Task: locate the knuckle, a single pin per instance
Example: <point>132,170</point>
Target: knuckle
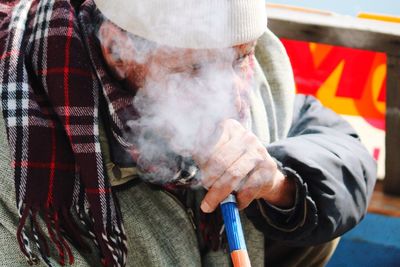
<point>247,194</point>
<point>261,183</point>
<point>262,151</point>
<point>229,187</point>
<point>271,163</point>
<point>259,179</point>
<point>225,188</point>
<point>219,163</point>
<point>268,166</point>
<point>218,186</point>
<point>249,138</point>
<point>272,167</point>
<point>253,184</point>
<point>234,173</point>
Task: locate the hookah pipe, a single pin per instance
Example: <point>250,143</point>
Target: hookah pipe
<point>234,232</point>
<point>230,214</point>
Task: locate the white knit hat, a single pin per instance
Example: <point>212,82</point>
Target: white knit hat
<point>189,23</point>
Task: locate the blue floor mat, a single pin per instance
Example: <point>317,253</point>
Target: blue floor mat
<point>375,242</point>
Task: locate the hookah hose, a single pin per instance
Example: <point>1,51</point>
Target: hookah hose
<point>234,232</point>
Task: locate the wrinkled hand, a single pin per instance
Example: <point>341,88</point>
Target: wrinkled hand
<point>239,162</point>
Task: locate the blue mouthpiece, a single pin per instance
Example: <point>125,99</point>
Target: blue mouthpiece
<point>233,226</point>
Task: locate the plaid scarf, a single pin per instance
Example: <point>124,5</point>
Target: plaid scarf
<point>52,77</point>
<point>49,99</point>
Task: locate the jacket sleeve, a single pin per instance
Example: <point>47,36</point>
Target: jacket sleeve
<point>334,175</point>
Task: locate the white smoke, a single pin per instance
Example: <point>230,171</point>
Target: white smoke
<point>180,108</point>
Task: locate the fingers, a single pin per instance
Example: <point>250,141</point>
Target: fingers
<point>239,162</point>
<point>226,130</point>
<point>222,136</point>
<point>228,182</point>
<point>268,183</point>
<point>221,161</point>
<point>256,184</point>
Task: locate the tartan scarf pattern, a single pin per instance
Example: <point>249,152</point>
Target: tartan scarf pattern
<point>49,100</point>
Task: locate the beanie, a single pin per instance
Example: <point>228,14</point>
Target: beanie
<point>197,24</point>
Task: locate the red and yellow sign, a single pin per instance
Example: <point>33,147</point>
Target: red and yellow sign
<point>352,82</point>
<point>349,81</point>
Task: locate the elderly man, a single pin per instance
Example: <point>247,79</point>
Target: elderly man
<point>114,110</point>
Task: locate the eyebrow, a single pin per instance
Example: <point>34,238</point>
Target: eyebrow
<point>241,53</point>
<point>245,49</point>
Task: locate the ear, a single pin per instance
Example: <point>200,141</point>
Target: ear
<point>111,38</point>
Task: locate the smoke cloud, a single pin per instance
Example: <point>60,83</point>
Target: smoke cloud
<point>180,104</point>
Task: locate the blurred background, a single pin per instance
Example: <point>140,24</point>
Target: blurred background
<point>348,7</point>
<point>347,54</point>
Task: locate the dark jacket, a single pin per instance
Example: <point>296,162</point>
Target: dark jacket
<point>335,177</point>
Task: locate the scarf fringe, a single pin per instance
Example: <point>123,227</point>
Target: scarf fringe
<point>23,240</point>
<point>73,231</point>
<point>108,237</point>
<point>113,246</point>
<point>110,241</point>
<point>55,231</point>
<point>40,240</point>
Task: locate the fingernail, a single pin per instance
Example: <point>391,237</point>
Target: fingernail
<point>205,207</point>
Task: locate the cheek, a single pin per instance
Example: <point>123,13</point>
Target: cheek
<point>245,74</point>
<point>247,69</point>
<point>136,74</point>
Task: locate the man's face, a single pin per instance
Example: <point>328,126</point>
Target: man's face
<point>130,60</point>
<point>225,69</point>
<point>182,94</point>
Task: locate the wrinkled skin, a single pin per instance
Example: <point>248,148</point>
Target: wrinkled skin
<point>238,161</point>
